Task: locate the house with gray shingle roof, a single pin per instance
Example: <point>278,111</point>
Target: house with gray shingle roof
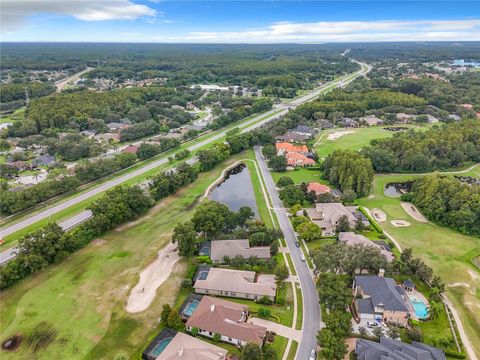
<point>396,350</point>
<point>379,298</point>
<point>239,247</point>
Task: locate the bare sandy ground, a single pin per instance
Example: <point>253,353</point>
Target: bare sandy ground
<point>379,215</point>
<point>411,210</point>
<point>338,134</point>
<point>152,278</point>
<point>400,223</point>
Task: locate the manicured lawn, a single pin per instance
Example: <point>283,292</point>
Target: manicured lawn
<point>83,298</point>
<point>299,175</point>
<point>279,345</point>
<point>448,252</point>
<point>318,244</point>
<point>283,312</point>
<point>293,350</point>
<point>299,323</point>
<point>355,141</point>
<point>290,263</point>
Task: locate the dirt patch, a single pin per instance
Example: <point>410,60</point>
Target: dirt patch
<point>13,343</point>
<point>459,284</point>
<point>379,215</point>
<point>152,278</point>
<point>400,223</point>
<point>338,134</point>
<point>411,210</point>
<point>98,242</point>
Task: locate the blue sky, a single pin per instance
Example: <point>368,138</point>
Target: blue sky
<point>238,21</point>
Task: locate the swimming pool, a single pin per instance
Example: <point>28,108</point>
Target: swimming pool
<point>190,308</point>
<point>420,308</point>
<point>157,350</point>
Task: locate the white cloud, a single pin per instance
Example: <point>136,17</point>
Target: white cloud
<point>15,12</point>
<point>343,31</point>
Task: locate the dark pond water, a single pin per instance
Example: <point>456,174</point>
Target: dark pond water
<point>397,189</point>
<point>236,190</point>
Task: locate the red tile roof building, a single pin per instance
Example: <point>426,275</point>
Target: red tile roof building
<point>318,188</point>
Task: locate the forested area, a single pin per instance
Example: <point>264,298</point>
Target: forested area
<point>121,204</point>
<point>349,170</point>
<point>441,147</point>
<point>13,95</point>
<point>448,202</point>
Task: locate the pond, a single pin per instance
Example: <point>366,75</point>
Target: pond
<point>236,190</point>
<point>397,189</point>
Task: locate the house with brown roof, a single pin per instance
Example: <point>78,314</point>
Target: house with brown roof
<point>292,137</point>
<point>185,347</point>
<point>297,159</point>
<point>327,216</point>
<point>236,283</point>
<point>372,120</point>
<point>239,247</point>
<point>228,319</point>
<point>350,238</point>
<point>131,149</point>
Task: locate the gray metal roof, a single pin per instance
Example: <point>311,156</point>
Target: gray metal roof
<point>396,350</point>
<point>382,291</point>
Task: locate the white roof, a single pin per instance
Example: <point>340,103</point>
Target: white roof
<point>232,248</point>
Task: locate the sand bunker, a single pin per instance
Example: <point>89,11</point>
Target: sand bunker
<point>400,223</point>
<point>152,278</point>
<point>413,212</point>
<point>338,134</point>
<point>379,215</point>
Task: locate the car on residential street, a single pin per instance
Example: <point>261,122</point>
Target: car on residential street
<point>313,355</point>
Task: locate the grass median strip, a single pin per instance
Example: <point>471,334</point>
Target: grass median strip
<point>299,323</point>
<point>290,264</point>
<point>293,350</point>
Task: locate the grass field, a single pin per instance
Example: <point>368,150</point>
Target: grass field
<point>299,175</point>
<point>441,248</point>
<point>81,301</point>
<point>360,138</point>
<point>17,115</point>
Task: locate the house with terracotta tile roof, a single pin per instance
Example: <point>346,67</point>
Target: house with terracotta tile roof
<point>297,159</point>
<point>228,319</point>
<point>285,147</point>
<point>318,188</point>
<point>132,149</point>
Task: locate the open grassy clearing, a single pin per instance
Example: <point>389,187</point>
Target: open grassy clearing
<point>90,288</point>
<point>299,175</point>
<point>358,139</point>
<point>299,323</point>
<point>17,115</point>
<point>441,248</point>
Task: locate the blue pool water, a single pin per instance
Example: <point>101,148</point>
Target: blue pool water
<point>190,308</point>
<point>420,308</point>
<point>157,350</point>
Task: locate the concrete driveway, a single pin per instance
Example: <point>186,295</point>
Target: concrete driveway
<point>279,329</point>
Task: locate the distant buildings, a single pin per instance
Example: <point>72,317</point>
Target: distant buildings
<point>131,149</point>
<point>372,120</point>
<point>388,349</point>
<point>232,248</point>
<point>235,283</point>
<point>228,319</point>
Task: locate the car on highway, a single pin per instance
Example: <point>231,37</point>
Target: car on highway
<point>302,257</point>
<point>313,355</point>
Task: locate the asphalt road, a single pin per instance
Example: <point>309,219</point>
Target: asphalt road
<point>311,306</point>
<point>249,125</point>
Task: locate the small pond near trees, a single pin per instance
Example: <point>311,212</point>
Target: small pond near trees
<point>236,190</point>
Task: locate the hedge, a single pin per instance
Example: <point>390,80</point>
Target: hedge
<point>373,222</point>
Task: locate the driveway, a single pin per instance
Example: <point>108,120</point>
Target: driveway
<point>279,329</point>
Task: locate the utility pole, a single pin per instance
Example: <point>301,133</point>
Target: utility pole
<point>27,98</point>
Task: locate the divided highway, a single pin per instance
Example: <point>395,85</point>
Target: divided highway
<point>255,122</point>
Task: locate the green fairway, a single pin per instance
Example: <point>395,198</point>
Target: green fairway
<point>441,248</point>
<point>80,303</point>
<point>359,138</point>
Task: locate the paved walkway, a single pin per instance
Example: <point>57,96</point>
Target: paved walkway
<point>281,330</point>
